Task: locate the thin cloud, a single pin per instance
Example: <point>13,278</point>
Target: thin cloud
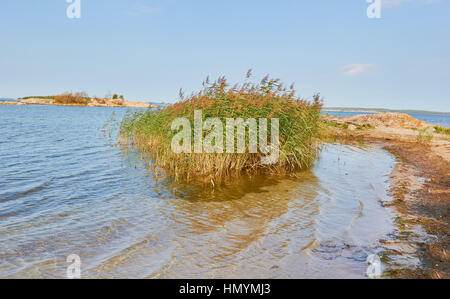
<point>141,9</point>
<point>356,69</point>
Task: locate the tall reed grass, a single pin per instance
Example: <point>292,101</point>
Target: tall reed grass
<point>299,121</point>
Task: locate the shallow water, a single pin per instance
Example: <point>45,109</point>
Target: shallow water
<point>65,190</point>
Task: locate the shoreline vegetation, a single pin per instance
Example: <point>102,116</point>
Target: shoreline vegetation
<point>80,99</point>
<point>299,122</point>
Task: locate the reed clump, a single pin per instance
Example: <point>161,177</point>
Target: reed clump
<point>299,122</point>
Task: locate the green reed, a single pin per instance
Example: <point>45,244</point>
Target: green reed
<point>299,122</point>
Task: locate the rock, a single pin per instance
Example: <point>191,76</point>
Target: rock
<point>390,120</point>
<point>352,127</point>
<point>430,130</point>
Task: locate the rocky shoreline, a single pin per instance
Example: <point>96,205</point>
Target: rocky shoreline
<point>93,103</point>
<point>420,186</point>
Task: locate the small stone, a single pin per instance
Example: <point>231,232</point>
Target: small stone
<point>430,130</point>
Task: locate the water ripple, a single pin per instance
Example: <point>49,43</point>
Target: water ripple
<point>65,190</point>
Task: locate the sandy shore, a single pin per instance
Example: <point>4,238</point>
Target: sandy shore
<point>420,185</point>
<point>93,103</point>
<point>12,103</point>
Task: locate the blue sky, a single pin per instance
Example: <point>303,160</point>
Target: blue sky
<point>149,49</point>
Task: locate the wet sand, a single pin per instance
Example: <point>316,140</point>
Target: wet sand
<point>420,185</point>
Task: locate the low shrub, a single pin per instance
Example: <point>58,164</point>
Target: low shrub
<point>69,98</point>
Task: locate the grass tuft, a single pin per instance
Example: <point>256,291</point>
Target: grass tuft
<point>442,130</point>
<point>424,136</point>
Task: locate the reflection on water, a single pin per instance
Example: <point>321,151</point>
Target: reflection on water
<point>64,190</point>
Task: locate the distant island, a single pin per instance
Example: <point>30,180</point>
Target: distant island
<point>77,99</point>
<point>119,101</point>
<point>380,110</point>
